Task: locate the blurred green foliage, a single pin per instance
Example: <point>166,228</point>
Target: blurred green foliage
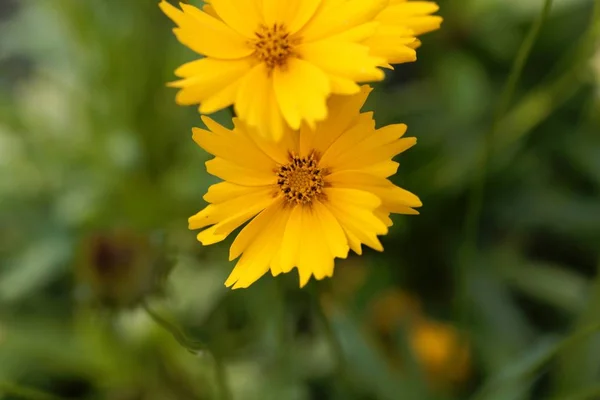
<point>98,174</point>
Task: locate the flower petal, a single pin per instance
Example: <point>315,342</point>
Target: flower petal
<point>314,256</point>
<point>396,44</point>
<point>354,209</point>
<point>240,175</point>
<point>224,191</point>
<point>218,140</point>
<point>304,10</point>
<point>340,16</point>
<point>373,155</point>
<point>221,99</point>
<point>259,241</point>
<point>344,59</point>
<point>363,126</point>
<point>343,111</point>
<point>391,195</point>
<point>414,15</point>
<point>258,225</point>
<point>332,231</point>
<point>205,34</point>
<point>208,81</point>
<point>301,90</point>
<point>291,239</point>
<point>242,15</point>
<point>215,213</point>
<point>220,231</point>
<point>257,105</point>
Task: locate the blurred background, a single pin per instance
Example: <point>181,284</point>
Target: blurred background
<point>105,294</point>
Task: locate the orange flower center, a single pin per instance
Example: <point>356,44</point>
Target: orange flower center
<point>301,180</point>
<point>273,45</point>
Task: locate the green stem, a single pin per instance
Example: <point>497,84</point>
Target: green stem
<point>221,376</point>
<point>541,102</point>
<point>474,210</point>
<point>194,347</point>
<point>24,393</point>
<point>519,63</point>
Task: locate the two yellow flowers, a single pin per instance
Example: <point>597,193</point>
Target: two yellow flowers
<point>302,164</point>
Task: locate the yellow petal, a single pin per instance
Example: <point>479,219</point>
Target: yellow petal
<point>221,99</point>
<point>314,257</point>
<point>293,14</point>
<point>220,231</point>
<point>257,104</point>
<point>240,175</point>
<point>352,197</point>
<point>359,221</point>
<point>357,34</point>
<point>301,90</point>
<point>340,17</point>
<point>353,241</point>
<point>304,10</point>
<point>207,77</point>
<point>278,151</point>
<point>373,155</point>
<point>399,209</point>
<point>218,142</point>
<point>276,12</point>
<point>224,191</point>
<point>259,241</point>
<point>215,213</point>
<point>413,15</point>
<point>205,34</point>
<point>292,237</point>
<point>332,231</point>
<point>345,59</point>
<point>343,111</point>
<point>242,15</point>
<point>383,169</point>
<point>396,44</point>
<point>363,126</point>
<point>343,86</point>
<point>390,194</point>
<point>384,216</point>
<point>257,226</point>
<point>207,8</point>
<point>398,201</point>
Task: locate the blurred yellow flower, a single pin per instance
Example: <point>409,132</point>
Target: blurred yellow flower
<point>278,61</point>
<point>444,354</point>
<point>311,197</point>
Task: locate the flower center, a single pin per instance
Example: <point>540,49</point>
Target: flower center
<point>301,180</point>
<point>273,45</point>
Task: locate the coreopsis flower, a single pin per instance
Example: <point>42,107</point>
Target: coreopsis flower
<point>309,198</point>
<point>278,61</point>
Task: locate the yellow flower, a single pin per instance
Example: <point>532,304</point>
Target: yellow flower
<point>310,198</point>
<point>444,354</point>
<point>278,61</point>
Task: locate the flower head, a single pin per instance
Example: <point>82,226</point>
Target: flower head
<point>278,61</point>
<point>309,198</point>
